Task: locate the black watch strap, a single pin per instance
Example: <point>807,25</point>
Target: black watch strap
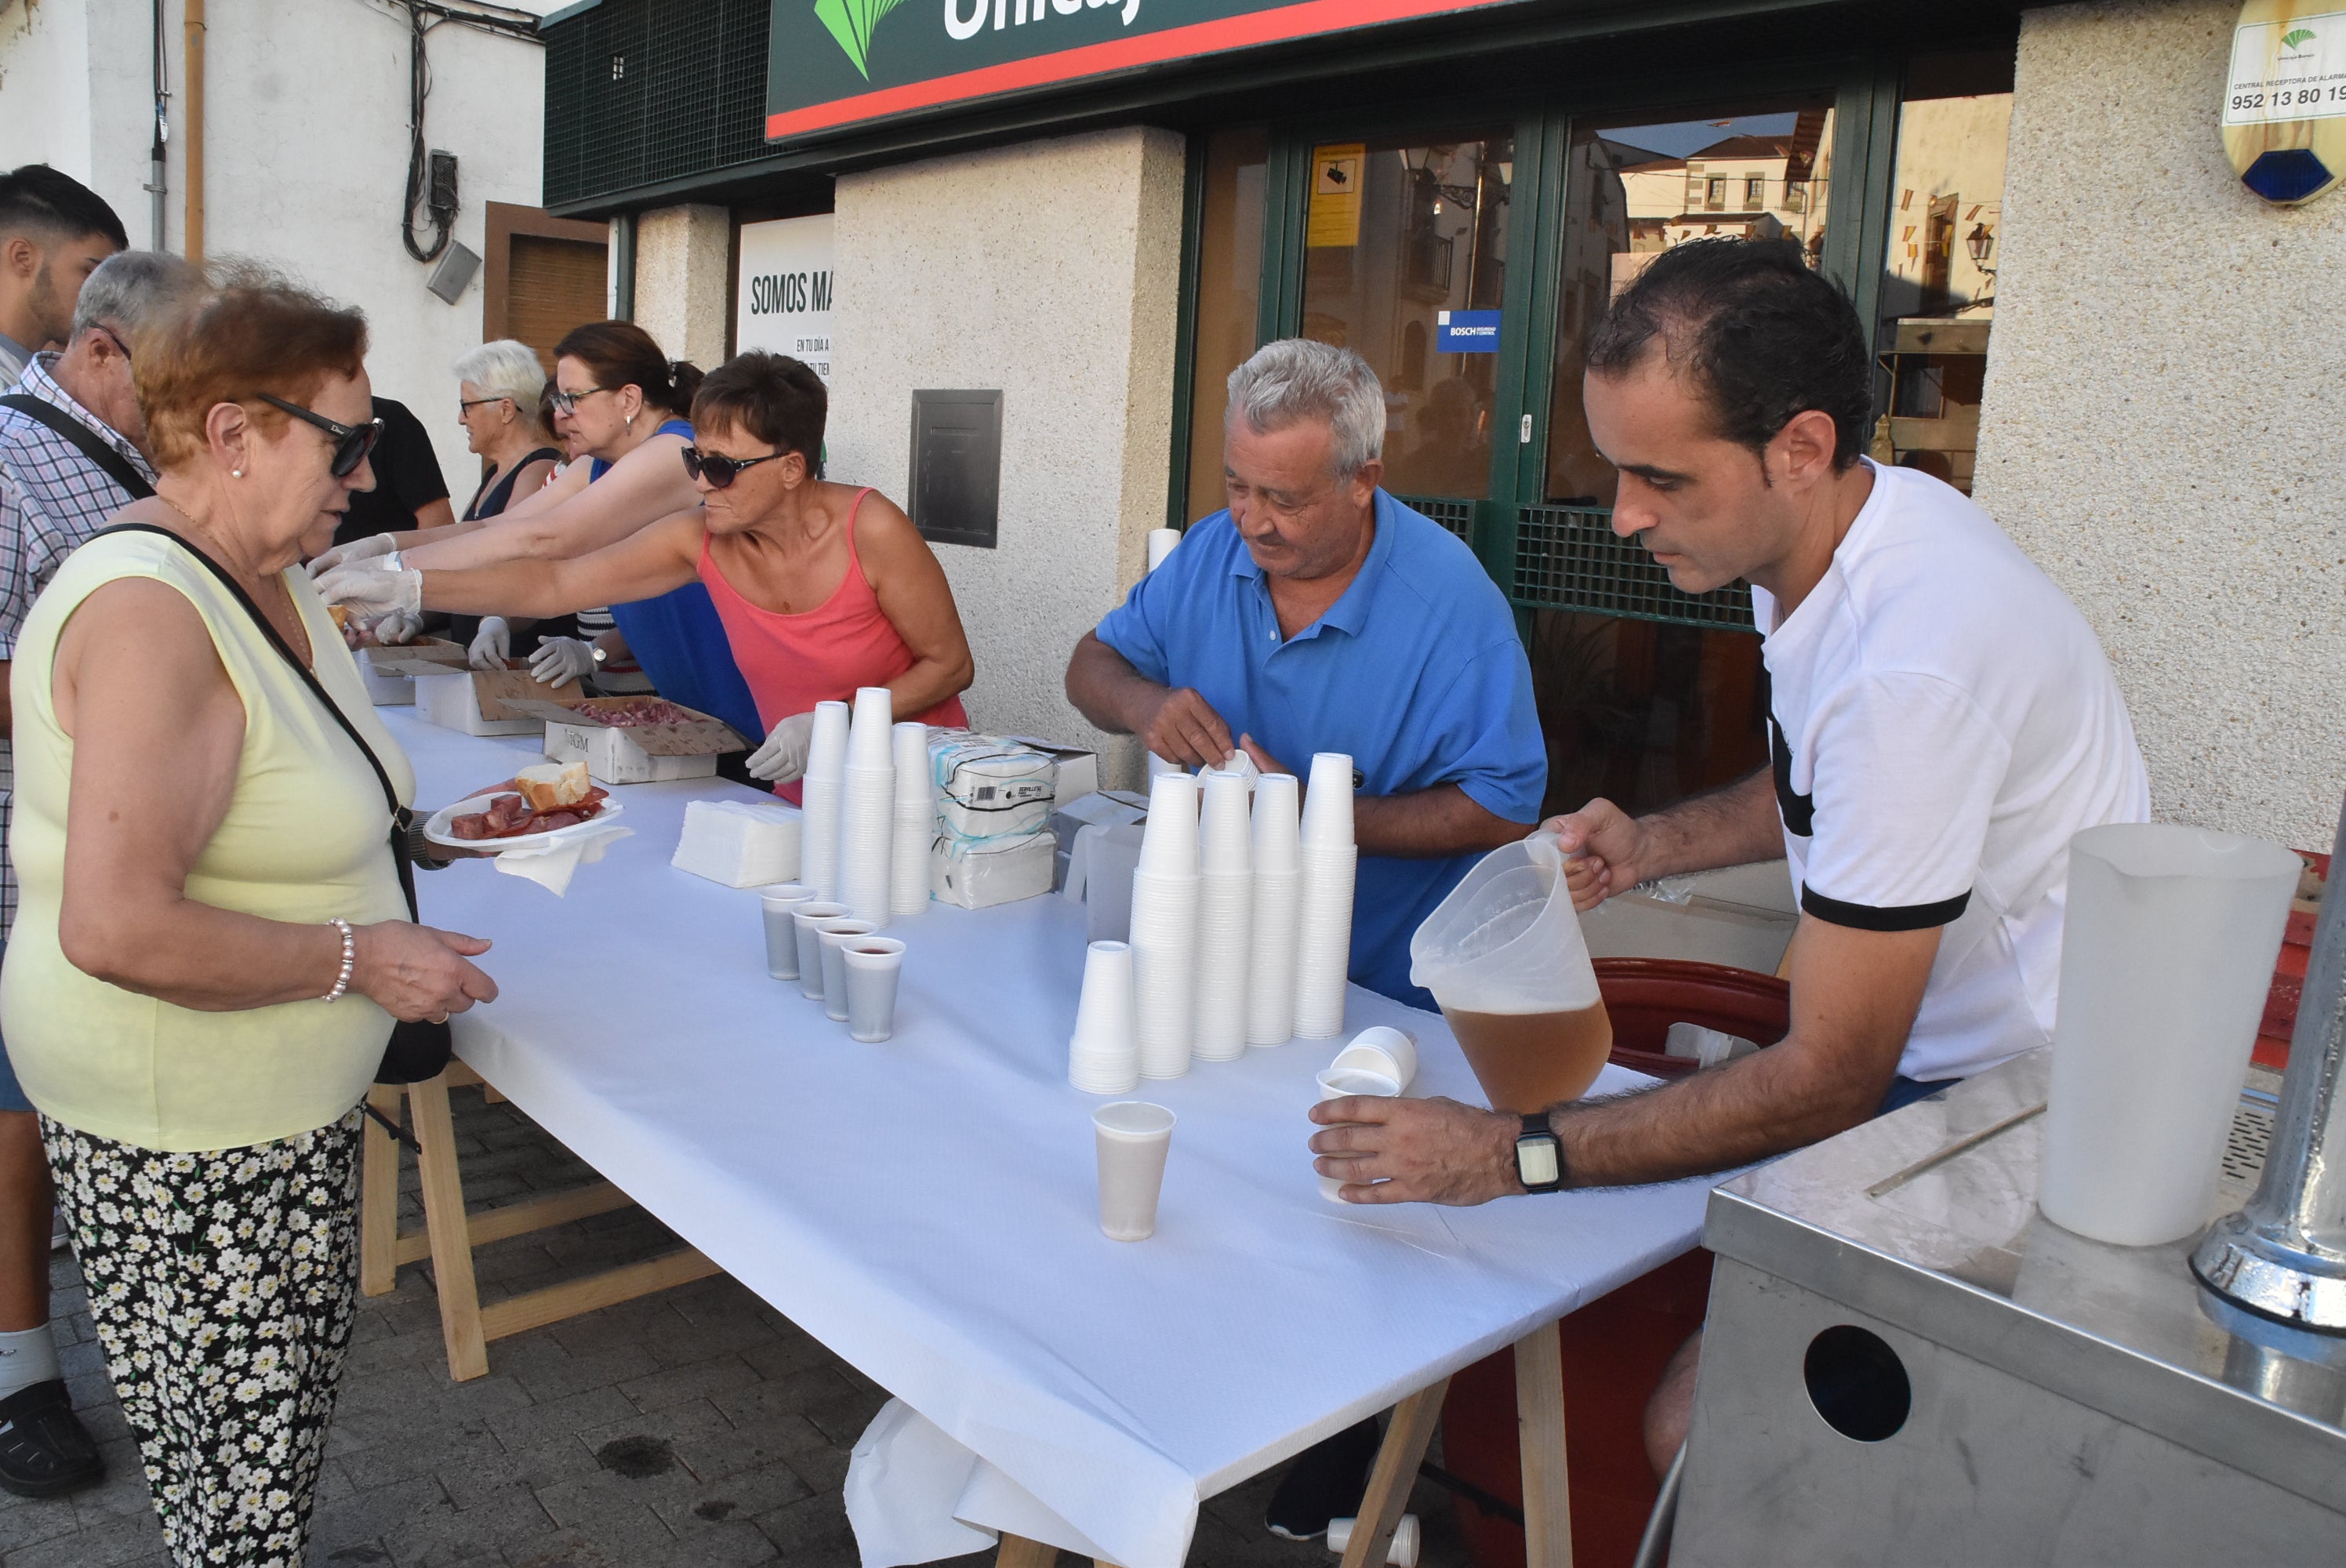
<point>1539,1155</point>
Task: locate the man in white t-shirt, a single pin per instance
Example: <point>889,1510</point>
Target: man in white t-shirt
<point>1943,722</point>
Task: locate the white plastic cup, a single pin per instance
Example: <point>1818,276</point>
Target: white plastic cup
<point>1105,1021</point>
<point>1328,804</point>
<point>777,900</point>
<point>1132,1138</point>
<point>832,935</point>
<point>1225,922</point>
<point>865,832</point>
<point>870,735</point>
<point>1223,828</point>
<point>1276,846</point>
<point>1381,1049</point>
<point>1169,844</point>
<point>912,760</point>
<point>827,745</point>
<point>2166,954</point>
<point>1271,962</point>
<point>872,966</point>
<point>806,924</point>
<point>1408,1539</point>
<point>1342,1083</point>
<point>1161,543</point>
<point>1324,941</point>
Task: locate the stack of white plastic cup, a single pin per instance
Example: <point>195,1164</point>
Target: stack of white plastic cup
<point>915,825</point>
<point>867,807</point>
<point>1165,927</point>
<point>1278,906</point>
<point>1324,927</point>
<point>1103,1053</point>
<point>1225,918</point>
<point>819,792</point>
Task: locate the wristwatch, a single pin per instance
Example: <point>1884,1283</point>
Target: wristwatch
<point>1539,1155</point>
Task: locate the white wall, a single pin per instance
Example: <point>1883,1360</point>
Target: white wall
<point>305,152</point>
<point>1051,271</point>
<point>2160,424</point>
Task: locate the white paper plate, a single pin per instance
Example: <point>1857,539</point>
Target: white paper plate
<point>435,826</point>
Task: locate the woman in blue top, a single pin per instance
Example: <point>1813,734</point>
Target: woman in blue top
<point>617,401</point>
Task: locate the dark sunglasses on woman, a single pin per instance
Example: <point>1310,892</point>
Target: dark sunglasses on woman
<point>351,441</point>
<point>719,469</point>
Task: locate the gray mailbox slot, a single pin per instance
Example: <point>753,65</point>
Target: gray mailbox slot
<point>955,491</point>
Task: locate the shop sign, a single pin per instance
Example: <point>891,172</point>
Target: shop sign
<point>783,300</point>
<point>834,62</point>
<point>1466,333</point>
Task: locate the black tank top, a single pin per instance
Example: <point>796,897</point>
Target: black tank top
<point>490,500</point>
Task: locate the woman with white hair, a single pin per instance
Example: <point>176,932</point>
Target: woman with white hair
<point>500,388</point>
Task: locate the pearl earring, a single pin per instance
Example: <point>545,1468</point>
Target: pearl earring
<point>236,473</point>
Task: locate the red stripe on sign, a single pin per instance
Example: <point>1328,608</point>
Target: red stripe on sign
<point>1286,22</point>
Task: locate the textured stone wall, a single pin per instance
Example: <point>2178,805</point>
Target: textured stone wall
<point>681,257</point>
<point>2161,424</point>
<point>1051,271</point>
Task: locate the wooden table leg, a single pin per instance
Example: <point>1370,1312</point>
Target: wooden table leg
<point>379,1197</point>
<point>1017,1552</point>
<point>1395,1472</point>
<point>451,1246</point>
<point>1539,1419</point>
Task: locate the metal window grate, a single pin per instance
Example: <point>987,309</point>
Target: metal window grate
<point>643,91</point>
<point>1569,558</point>
<point>1458,516</point>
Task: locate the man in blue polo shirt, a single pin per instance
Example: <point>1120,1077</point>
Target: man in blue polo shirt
<point>1318,613</point>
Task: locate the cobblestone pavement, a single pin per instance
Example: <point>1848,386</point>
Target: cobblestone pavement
<point>697,1426</point>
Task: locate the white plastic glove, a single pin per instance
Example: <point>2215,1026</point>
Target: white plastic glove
<point>369,590</point>
<point>560,659</point>
<point>492,644</point>
<point>783,757</point>
<point>396,628</point>
<point>365,549</point>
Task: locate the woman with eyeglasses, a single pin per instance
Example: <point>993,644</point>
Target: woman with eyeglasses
<point>621,405</point>
<point>212,940</point>
<point>824,587</point>
<point>499,388</point>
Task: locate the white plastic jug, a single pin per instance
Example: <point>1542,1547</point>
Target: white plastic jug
<point>2166,953</point>
<point>1504,957</point>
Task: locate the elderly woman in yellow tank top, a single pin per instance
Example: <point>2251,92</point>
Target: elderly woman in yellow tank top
<point>212,942</point>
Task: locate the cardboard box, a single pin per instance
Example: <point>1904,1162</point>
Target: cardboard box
<point>1075,771</point>
<point>631,754</point>
<point>980,873</point>
<point>389,672</point>
<point>481,702</point>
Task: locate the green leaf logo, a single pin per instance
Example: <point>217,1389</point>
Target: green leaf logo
<point>2292,40</point>
<point>850,22</point>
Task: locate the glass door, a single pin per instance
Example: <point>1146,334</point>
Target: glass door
<point>1404,262</point>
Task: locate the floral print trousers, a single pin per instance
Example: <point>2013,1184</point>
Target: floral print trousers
<point>223,1286</point>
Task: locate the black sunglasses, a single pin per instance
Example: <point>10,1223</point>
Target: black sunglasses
<point>720,470</point>
<point>351,441</point>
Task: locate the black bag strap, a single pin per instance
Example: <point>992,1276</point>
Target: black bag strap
<point>111,462</point>
<point>310,678</point>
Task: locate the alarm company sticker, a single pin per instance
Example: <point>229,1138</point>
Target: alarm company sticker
<point>2292,70</point>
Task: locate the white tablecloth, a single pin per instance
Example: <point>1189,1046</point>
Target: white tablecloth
<point>927,1209</point>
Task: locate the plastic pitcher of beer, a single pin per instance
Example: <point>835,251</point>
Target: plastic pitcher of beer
<point>1504,957</point>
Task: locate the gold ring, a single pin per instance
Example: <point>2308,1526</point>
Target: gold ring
<point>442,1019</point>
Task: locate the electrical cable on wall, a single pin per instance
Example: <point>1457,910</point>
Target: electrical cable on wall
<point>431,176</point>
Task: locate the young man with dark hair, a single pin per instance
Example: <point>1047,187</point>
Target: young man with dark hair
<point>54,231</point>
<point>1943,722</point>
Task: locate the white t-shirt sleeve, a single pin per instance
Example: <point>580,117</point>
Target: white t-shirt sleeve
<point>1906,772</point>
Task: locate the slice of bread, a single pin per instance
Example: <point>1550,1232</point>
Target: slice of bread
<point>549,785</point>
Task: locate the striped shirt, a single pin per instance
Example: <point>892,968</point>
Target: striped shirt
<point>52,499</point>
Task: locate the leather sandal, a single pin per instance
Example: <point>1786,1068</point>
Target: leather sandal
<point>44,1452</point>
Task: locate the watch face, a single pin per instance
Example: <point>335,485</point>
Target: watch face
<point>1536,1161</point>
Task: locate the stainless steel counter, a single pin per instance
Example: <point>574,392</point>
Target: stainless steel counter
<point>2067,1402</point>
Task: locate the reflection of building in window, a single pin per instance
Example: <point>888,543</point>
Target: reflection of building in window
<point>1674,199</point>
<point>1938,288</point>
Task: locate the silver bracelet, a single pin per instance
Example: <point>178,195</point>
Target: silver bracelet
<point>349,958</point>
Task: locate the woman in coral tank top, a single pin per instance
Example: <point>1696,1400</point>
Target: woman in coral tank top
<point>821,587</point>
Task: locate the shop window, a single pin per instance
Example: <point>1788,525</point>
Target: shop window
<point>1938,284</point>
<point>1230,287</point>
<point>1400,240</point>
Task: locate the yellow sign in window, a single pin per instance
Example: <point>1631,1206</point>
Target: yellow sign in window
<point>1336,174</point>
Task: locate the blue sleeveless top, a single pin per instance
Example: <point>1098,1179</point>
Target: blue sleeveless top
<point>680,643</point>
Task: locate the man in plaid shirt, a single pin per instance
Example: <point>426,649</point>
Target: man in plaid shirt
<point>52,497</point>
